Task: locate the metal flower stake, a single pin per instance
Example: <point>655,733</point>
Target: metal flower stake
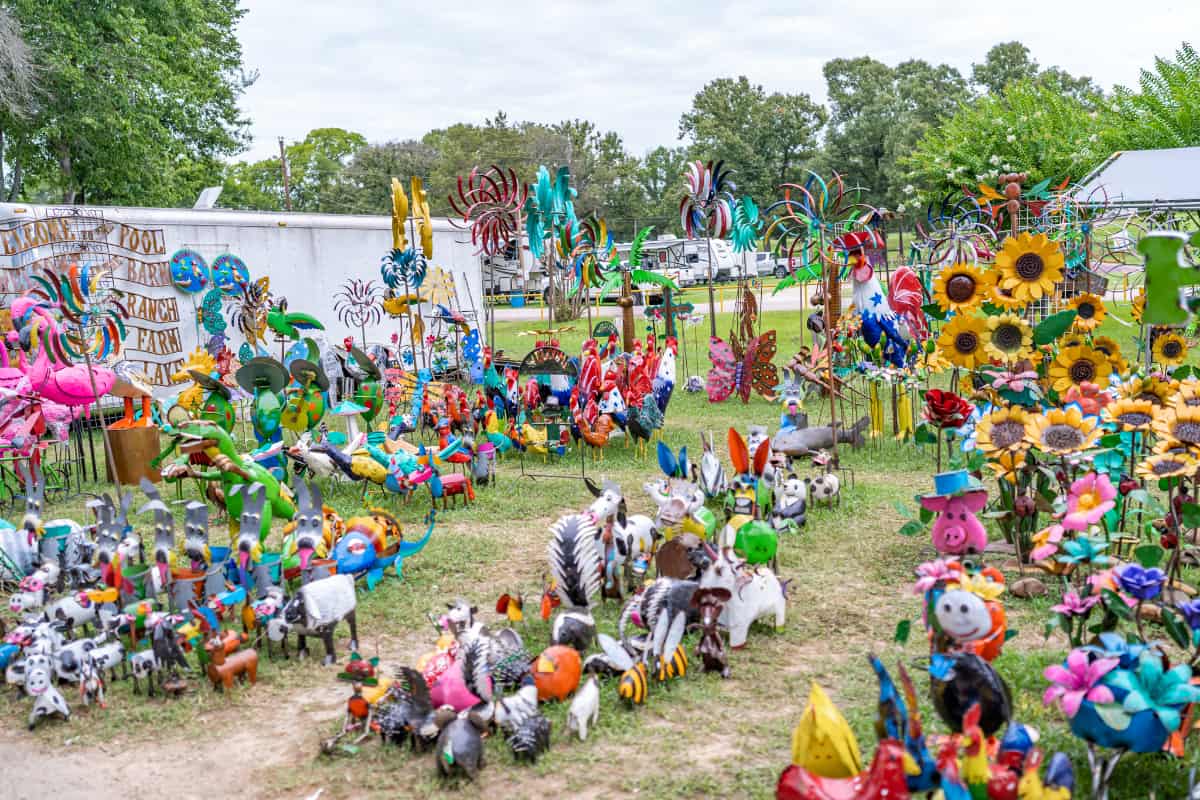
<point>357,305</point>
<point>403,268</point>
<point>808,219</point>
<point>490,204</point>
<point>549,209</point>
<point>706,209</point>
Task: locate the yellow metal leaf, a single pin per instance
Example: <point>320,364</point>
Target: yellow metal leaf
<point>421,211</point>
<point>399,215</point>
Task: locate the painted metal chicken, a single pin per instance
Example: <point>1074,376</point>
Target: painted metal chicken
<point>885,779</point>
<point>643,422</point>
<point>898,315</point>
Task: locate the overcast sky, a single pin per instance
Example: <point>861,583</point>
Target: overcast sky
<point>396,70</point>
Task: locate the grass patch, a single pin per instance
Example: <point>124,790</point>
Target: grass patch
<point>701,737</point>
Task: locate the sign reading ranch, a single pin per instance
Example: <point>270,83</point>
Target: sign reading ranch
<point>136,258</point>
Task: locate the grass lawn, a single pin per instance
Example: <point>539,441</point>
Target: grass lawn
<point>850,574</point>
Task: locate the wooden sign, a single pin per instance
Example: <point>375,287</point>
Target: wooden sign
<point>136,260</point>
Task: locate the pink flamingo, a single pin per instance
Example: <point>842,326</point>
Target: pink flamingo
<point>56,379</point>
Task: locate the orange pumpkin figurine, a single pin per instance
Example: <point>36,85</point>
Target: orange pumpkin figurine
<point>556,672</point>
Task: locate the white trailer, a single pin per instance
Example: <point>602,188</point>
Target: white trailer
<point>307,257</point>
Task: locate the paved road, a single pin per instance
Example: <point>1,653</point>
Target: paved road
<point>788,299</point>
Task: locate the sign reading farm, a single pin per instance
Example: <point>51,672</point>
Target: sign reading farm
<point>135,257</point>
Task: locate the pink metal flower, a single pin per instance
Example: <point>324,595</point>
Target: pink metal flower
<point>1047,542</point>
<point>929,573</point>
<point>1090,498</point>
<point>1015,381</point>
<point>1075,606</point>
<point>1077,681</point>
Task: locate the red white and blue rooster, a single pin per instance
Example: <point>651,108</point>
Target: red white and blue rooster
<point>898,314</point>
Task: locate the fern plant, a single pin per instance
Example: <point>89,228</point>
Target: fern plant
<point>1165,110</point>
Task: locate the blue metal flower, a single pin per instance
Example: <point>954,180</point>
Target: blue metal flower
<point>1083,550</point>
<point>1140,582</point>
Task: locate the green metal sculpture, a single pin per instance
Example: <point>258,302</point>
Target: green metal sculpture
<point>206,452</point>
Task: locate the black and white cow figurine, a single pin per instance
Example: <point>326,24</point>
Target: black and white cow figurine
<point>317,607</point>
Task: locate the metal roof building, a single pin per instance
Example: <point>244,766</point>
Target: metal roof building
<point>1146,179</point>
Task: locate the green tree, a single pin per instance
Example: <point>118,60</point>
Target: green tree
<point>521,146</point>
<point>1005,63</point>
<point>604,173</point>
<point>17,85</point>
<point>315,169</point>
<point>1164,111</point>
<point>1009,62</point>
<point>134,98</point>
<point>765,138</point>
<point>878,112</point>
<point>660,182</point>
<point>365,185</point>
<point>1029,127</point>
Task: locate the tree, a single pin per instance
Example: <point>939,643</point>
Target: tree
<point>1164,111</point>
<point>17,86</point>
<point>1004,63</point>
<point>764,137</point>
<point>1009,62</point>
<point>365,185</point>
<point>315,168</point>
<point>1029,127</point>
<point>17,72</point>
<point>604,174</point>
<point>134,97</point>
<point>878,112</point>
<point>660,181</point>
<point>460,147</point>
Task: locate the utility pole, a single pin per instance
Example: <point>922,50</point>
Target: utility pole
<point>283,167</point>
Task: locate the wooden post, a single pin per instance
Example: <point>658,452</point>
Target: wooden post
<point>626,303</point>
<point>831,281</point>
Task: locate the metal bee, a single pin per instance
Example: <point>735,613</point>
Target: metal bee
<point>633,684</point>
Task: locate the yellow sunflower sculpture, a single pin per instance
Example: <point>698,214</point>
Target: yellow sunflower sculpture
<point>1187,396</point>
<point>1139,305</point>
<point>1030,266</point>
<point>1111,349</point>
<point>961,287</point>
<point>1179,424</point>
<point>961,341</point>
<point>1130,414</point>
<point>1074,366</point>
<point>1155,389</point>
<point>1008,338</point>
<point>1170,349</point>
<point>1061,431</point>
<point>1069,339</point>
<point>1166,465</point>
<point>1006,465</point>
<point>1003,430</point>
<point>1089,312</point>
<point>1003,298</point>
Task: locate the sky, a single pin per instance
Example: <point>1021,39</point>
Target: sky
<point>397,70</point>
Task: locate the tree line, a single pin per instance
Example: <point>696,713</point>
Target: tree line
<point>135,102</point>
